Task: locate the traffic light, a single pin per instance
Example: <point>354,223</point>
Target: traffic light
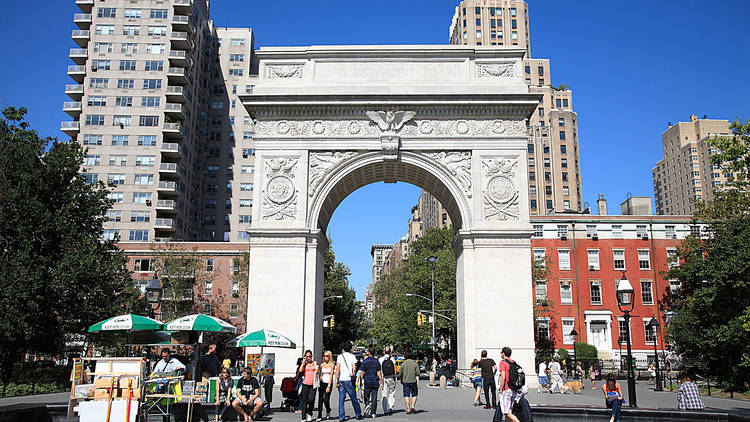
<point>332,322</point>
<point>420,318</point>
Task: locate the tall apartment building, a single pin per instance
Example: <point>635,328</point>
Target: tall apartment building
<point>553,157</point>
<point>155,103</point>
<point>378,253</point>
<point>686,174</point>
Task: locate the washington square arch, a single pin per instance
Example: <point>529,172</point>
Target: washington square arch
<point>448,119</point>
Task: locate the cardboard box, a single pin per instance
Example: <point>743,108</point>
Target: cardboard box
<point>104,382</point>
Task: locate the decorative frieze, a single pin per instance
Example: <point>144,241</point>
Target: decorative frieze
<point>280,193</point>
<point>495,70</point>
<point>458,164</point>
<point>322,164</point>
<point>284,71</point>
<point>500,194</point>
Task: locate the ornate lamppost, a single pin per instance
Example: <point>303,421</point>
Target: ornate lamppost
<point>654,324</point>
<point>626,304</point>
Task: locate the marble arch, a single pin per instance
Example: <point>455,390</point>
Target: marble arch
<point>449,119</point>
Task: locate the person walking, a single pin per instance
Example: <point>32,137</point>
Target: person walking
<point>579,372</point>
<point>489,369</point>
<point>409,377</point>
<point>475,375</point>
<point>688,395</point>
<point>209,363</point>
<point>542,376</point>
<point>613,396</point>
<point>388,369</point>
<point>343,380</point>
<point>324,392</point>
<point>372,381</point>
<point>555,374</point>
<point>506,395</point>
<point>592,375</point>
<point>308,370</point>
<point>651,373</point>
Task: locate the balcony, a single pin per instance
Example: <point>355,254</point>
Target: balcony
<point>180,40</point>
<point>73,108</point>
<point>77,72</point>
<point>166,205</point>
<point>169,149</point>
<point>182,23</point>
<point>176,75</point>
<point>173,131</point>
<point>79,55</point>
<point>183,7</point>
<point>164,224</point>
<point>167,187</point>
<point>168,169</point>
<point>85,5</point>
<point>83,20</point>
<point>74,91</point>
<point>176,94</point>
<point>178,58</point>
<point>70,128</point>
<point>81,37</point>
<point>174,110</point>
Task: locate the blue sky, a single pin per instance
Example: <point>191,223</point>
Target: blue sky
<point>633,67</point>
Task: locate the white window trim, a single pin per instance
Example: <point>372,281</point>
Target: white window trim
<point>563,325</point>
<point>656,334</point>
<point>569,283</point>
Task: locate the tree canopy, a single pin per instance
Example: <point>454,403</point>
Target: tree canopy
<point>711,312</point>
<point>349,319</point>
<point>56,274</point>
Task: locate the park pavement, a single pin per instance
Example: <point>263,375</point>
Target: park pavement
<point>455,404</point>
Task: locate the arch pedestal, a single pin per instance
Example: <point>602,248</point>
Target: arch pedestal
<point>450,120</point>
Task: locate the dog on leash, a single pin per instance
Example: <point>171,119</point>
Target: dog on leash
<point>571,387</point>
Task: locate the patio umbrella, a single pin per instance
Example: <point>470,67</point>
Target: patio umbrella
<point>199,322</point>
<point>127,322</point>
<point>262,338</point>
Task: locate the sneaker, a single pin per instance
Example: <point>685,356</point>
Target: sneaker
<point>486,406</point>
<point>372,416</point>
<point>309,418</point>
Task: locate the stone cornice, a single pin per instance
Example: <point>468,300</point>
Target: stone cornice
<point>387,51</point>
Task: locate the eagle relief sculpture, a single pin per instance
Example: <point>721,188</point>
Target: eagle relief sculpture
<point>390,122</point>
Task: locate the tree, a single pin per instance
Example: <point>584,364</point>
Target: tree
<point>712,308</point>
<point>395,319</point>
<point>57,276</point>
<point>561,87</point>
<point>348,315</point>
<point>543,307</point>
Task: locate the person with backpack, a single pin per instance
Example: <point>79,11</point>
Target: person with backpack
<point>388,369</point>
<point>512,379</point>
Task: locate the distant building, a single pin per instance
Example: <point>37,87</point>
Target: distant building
<point>378,253</point>
<point>686,174</point>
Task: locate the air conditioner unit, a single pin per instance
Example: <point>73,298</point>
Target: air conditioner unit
<point>644,237</point>
<point>563,237</point>
<point>592,268</point>
<point>595,237</point>
<point>148,202</point>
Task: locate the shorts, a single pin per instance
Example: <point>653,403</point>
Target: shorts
<point>543,380</point>
<point>477,383</point>
<point>506,401</point>
<point>252,403</point>
<point>411,389</point>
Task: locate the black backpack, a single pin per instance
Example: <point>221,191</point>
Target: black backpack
<point>388,368</point>
<point>516,376</point>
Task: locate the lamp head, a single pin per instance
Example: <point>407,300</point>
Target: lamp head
<point>154,291</point>
<point>625,295</point>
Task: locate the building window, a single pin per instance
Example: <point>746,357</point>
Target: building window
<point>593,259</point>
<point>144,179</point>
<point>539,255</point>
<point>563,259</point>
<point>673,260</point>
<point>531,148</point>
<point>538,230</point>
<point>695,231</point>
<point>110,234</point>
<point>113,215</point>
<point>566,292</point>
<point>140,216</point>
<point>641,230</point>
<point>563,149</point>
<point>92,139</point>
<point>92,160</point>
<point>591,230</point>
<point>94,120</point>
<point>644,263</point>
<point>596,292</point>
<point>546,163</point>
<point>115,179</point>
<point>564,163</point>
<point>647,296</point>
<point>208,290</point>
<point>531,161</point>
<point>617,231</point>
<point>138,235</point>
<point>147,140</point>
<point>121,120</point>
<point>565,176</point>
<point>141,197</point>
<point>533,204</point>
<point>618,256</point>
<point>233,310</point>
<point>562,230</point>
<point>548,190</point>
<point>622,327</point>
<point>209,265</point>
<point>649,331</point>
<point>542,329</point>
<point>562,135</point>
<point>567,327</point>
<point>159,13</point>
<point>541,293</point>
<point>152,84</point>
<point>669,232</point>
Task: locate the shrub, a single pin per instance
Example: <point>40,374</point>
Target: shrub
<point>585,351</point>
<point>562,353</point>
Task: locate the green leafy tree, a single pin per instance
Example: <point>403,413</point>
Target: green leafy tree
<point>711,311</point>
<point>540,274</point>
<point>56,275</point>
<point>395,319</point>
<point>348,315</point>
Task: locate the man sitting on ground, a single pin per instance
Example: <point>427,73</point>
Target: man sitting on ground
<point>248,395</point>
<point>688,394</point>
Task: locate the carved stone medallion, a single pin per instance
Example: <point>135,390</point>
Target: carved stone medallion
<point>280,194</point>
<point>500,194</point>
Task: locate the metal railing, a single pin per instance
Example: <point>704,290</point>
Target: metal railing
<point>72,104</point>
<point>78,52</point>
<point>165,203</point>
<point>81,33</point>
<point>76,68</point>
<point>168,146</point>
<point>73,88</point>
<point>69,125</point>
<point>81,17</point>
<point>168,167</point>
<point>167,185</point>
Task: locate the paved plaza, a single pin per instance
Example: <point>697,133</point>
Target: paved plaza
<point>455,404</point>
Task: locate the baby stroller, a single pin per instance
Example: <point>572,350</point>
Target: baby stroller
<point>290,395</point>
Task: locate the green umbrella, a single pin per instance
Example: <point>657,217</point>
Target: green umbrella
<point>262,338</point>
<point>199,322</point>
<point>127,322</point>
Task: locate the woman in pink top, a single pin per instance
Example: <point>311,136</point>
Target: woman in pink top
<point>308,370</point>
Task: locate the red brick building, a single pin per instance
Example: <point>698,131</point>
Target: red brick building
<point>587,255</point>
<point>220,286</point>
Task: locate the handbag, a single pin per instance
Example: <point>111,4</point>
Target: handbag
<point>316,377</point>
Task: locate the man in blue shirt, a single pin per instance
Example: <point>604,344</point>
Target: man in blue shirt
<point>168,363</point>
<point>372,379</point>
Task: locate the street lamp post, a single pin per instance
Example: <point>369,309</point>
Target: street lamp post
<point>432,260</point>
<point>654,324</point>
<point>619,342</point>
<point>625,303</point>
<point>574,335</point>
<point>333,297</point>
<point>154,291</point>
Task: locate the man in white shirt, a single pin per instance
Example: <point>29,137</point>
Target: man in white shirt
<point>389,380</point>
<point>343,379</point>
<point>168,363</point>
<point>555,376</point>
<point>542,376</point>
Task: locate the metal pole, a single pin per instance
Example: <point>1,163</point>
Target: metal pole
<point>656,359</point>
<point>631,375</point>
<point>432,278</point>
